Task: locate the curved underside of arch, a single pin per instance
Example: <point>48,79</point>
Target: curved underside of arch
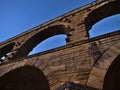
<point>24,78</point>
<point>5,50</point>
<point>102,12</point>
<point>41,36</point>
<point>44,34</point>
<point>99,70</point>
<point>112,77</point>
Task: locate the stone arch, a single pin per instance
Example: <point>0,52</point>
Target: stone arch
<point>42,35</point>
<point>24,78</point>
<point>98,72</point>
<point>108,57</point>
<point>105,26</point>
<point>102,12</point>
<point>112,77</point>
<point>5,50</point>
<point>49,44</point>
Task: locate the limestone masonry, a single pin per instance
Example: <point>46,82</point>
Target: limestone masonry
<point>82,64</point>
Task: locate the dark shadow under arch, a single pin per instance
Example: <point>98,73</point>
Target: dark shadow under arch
<point>105,26</point>
<point>5,50</point>
<point>102,12</point>
<point>41,36</point>
<point>49,44</point>
<point>24,78</point>
<point>112,77</point>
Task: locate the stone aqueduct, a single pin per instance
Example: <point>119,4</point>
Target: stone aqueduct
<point>82,64</point>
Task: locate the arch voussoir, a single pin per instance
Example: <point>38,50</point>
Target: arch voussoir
<point>98,72</point>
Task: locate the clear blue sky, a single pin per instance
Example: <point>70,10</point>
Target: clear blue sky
<point>17,16</point>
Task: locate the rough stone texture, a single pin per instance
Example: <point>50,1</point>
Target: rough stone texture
<point>83,61</point>
<point>74,86</point>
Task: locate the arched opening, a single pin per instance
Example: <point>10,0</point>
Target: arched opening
<point>4,51</point>
<point>24,78</point>
<point>39,37</point>
<point>110,9</point>
<point>112,77</point>
<point>107,25</point>
<point>50,43</point>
